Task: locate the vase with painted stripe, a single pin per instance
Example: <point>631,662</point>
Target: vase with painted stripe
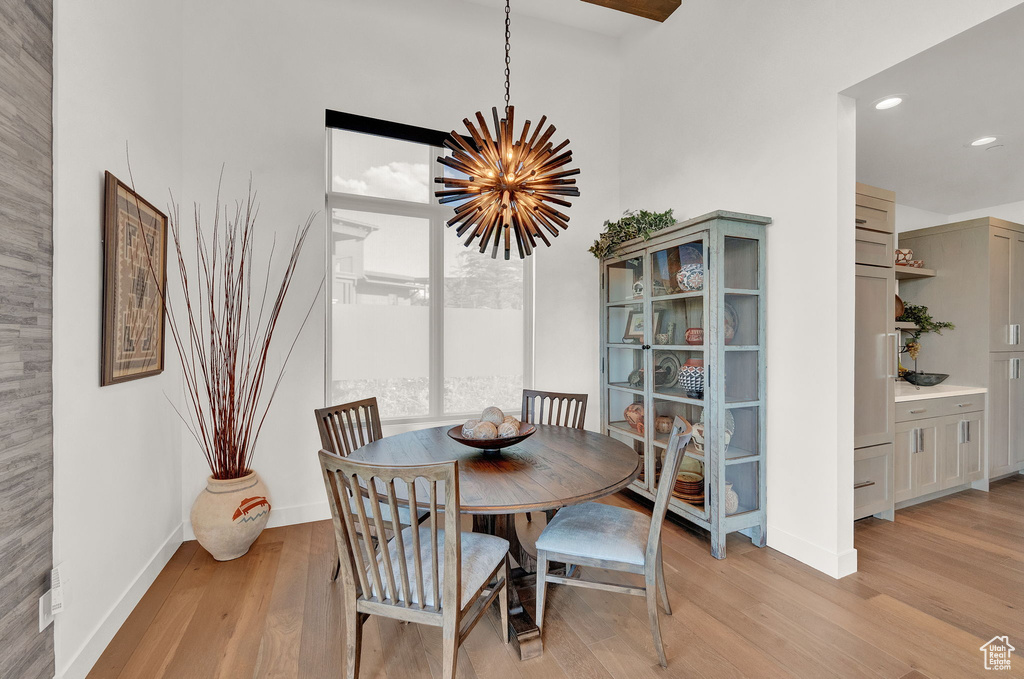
<point>230,514</point>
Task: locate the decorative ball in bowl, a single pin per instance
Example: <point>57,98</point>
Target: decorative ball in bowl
<point>492,431</point>
<point>924,379</point>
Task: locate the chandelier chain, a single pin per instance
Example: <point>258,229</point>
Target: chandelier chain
<point>508,58</point>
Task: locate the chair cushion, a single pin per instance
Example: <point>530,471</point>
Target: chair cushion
<point>385,512</point>
<point>481,554</point>
<point>598,531</point>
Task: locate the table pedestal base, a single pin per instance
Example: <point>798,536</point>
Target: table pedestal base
<point>523,629</point>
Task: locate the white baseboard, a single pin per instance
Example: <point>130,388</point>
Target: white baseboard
<point>281,516</point>
<point>87,655</point>
<point>833,564</point>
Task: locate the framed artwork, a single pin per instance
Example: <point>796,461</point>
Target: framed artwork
<point>635,325</point>
<point>134,277</point>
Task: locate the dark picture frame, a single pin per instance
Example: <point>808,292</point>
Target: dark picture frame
<point>134,260</point>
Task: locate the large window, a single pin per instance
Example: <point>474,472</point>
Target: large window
<point>433,329</point>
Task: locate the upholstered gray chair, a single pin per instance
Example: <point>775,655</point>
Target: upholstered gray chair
<point>616,538</point>
<point>424,574</point>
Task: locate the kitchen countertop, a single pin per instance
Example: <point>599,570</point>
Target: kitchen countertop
<point>908,392</point>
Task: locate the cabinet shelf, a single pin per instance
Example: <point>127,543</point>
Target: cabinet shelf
<point>905,325</point>
<point>909,273</point>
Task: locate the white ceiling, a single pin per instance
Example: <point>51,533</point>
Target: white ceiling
<point>574,13</point>
<point>967,87</point>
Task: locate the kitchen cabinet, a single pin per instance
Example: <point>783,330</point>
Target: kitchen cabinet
<point>980,288</point>
<point>875,351</point>
<point>1006,413</point>
<point>939,445</point>
<point>874,358</point>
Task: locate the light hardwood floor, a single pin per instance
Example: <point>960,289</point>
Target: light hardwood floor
<point>932,587</point>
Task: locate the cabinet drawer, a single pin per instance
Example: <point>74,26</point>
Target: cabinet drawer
<point>875,214</point>
<point>939,407</point>
<point>872,481</point>
<point>874,248</point>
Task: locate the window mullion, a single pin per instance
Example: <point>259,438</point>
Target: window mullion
<point>436,307</point>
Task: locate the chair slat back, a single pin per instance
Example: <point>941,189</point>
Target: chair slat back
<point>374,573</point>
<point>348,426</point>
<point>552,407</point>
<point>682,432</point>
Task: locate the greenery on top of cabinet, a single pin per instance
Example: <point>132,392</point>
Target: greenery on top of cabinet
<point>633,224</point>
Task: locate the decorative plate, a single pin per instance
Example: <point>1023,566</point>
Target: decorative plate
<point>666,371</point>
<point>732,323</point>
<point>691,253</point>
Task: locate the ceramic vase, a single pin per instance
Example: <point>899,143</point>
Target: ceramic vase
<point>230,514</point>
<point>695,336</point>
<point>690,277</point>
<point>663,424</point>
<point>732,500</point>
<point>634,414</point>
<point>691,378</point>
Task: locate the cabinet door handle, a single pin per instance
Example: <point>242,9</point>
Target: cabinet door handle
<point>963,405</point>
<point>1015,333</point>
<point>960,432</point>
<point>918,412</point>
<point>967,431</point>
<point>920,440</point>
<point>1014,368</point>
<point>863,484</point>
<point>862,221</point>
<point>895,364</point>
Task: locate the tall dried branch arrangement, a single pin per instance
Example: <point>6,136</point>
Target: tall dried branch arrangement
<point>223,332</point>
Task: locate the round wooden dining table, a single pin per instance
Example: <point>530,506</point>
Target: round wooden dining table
<point>555,467</point>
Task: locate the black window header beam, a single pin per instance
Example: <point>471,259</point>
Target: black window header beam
<point>384,128</point>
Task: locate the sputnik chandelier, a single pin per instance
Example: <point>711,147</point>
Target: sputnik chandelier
<point>506,188</point>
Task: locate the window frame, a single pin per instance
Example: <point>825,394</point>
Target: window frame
<point>437,215</point>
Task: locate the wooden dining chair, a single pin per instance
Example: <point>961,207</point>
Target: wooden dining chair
<point>424,574</point>
<point>552,407</point>
<point>347,427</point>
<point>615,538</point>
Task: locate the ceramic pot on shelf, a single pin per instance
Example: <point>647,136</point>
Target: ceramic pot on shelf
<point>230,514</point>
<point>691,378</point>
<point>634,414</point>
<point>732,500</point>
<point>695,336</point>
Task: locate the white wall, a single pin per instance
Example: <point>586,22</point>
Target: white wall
<point>910,218</point>
<point>258,76</point>
<point>1011,212</point>
<point>117,473</point>
<point>734,106</point>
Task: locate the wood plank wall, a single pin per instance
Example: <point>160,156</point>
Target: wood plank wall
<point>26,310</point>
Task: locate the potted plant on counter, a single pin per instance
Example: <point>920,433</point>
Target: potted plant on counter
<point>223,327</point>
<point>924,323</point>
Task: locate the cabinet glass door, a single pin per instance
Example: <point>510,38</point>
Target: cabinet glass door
<point>623,362</point>
<point>678,303</point>
<point>740,335</point>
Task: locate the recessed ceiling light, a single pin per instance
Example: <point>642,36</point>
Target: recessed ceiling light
<point>889,102</point>
<point>984,141</point>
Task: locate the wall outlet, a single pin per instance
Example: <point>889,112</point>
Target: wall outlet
<point>45,614</point>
